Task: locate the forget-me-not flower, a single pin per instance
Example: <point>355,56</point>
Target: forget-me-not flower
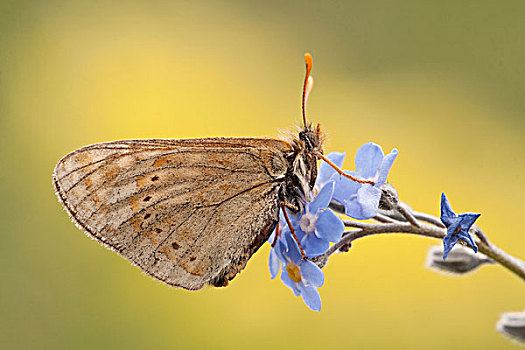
<point>457,226</point>
<point>300,275</point>
<point>361,201</point>
<point>316,226</point>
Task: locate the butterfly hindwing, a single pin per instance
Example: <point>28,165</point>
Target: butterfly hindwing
<point>187,212</point>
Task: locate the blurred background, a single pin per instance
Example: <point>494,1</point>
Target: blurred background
<point>442,81</point>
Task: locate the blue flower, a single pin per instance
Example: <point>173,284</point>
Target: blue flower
<point>300,275</point>
<point>457,226</point>
<point>316,226</point>
<point>326,171</point>
<point>361,201</point>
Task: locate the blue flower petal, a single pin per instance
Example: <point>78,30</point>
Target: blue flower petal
<point>368,159</point>
<point>467,220</point>
<point>326,171</point>
<point>289,283</point>
<point>272,237</point>
<point>295,219</point>
<point>365,204</point>
<point>345,188</point>
<point>292,252</point>
<point>386,164</point>
<point>448,243</point>
<point>281,245</point>
<point>369,196</point>
<point>330,226</point>
<point>452,225</point>
<point>311,297</point>
<point>468,239</point>
<point>446,208</point>
<point>448,220</point>
<point>322,200</point>
<point>274,263</point>
<point>299,233</point>
<point>311,274</point>
<point>314,246</point>
<point>353,208</point>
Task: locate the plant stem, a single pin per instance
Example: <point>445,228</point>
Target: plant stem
<point>435,230</point>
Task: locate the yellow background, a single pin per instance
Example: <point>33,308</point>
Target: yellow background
<point>443,81</point>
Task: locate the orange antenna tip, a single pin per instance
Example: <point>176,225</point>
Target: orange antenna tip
<point>309,60</point>
<point>308,83</point>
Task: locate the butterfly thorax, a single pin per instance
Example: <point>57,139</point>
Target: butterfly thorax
<point>302,170</point>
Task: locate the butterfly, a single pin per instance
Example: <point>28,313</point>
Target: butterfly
<point>189,212</point>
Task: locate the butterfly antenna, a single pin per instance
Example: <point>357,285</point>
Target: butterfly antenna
<point>308,83</point>
<point>341,172</point>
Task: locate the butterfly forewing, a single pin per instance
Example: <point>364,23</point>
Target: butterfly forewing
<point>187,212</point>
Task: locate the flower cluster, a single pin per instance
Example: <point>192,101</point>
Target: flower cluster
<point>306,236</point>
<point>312,230</point>
<point>316,226</point>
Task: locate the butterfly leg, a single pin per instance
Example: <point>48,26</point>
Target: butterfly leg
<point>290,205</point>
<point>277,234</point>
<point>341,172</point>
<point>292,230</point>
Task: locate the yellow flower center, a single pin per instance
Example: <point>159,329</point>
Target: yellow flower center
<point>293,272</point>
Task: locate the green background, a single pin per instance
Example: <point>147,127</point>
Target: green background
<point>443,81</point>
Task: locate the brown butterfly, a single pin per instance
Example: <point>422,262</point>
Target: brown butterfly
<point>189,212</point>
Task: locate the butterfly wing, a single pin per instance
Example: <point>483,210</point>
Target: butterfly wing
<point>187,212</point>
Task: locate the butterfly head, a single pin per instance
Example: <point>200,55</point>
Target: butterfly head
<point>312,139</point>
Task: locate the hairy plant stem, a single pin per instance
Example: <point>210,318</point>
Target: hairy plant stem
<point>433,228</point>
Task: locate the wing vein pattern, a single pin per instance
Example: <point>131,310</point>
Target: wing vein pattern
<point>187,212</point>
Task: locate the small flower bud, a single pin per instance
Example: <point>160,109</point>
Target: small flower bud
<point>459,261</point>
<point>389,197</point>
<point>320,260</point>
<point>512,324</point>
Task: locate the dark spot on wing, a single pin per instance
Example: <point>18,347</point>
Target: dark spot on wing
<point>147,198</point>
<point>175,245</point>
<point>192,258</point>
<point>147,216</point>
<point>154,178</point>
